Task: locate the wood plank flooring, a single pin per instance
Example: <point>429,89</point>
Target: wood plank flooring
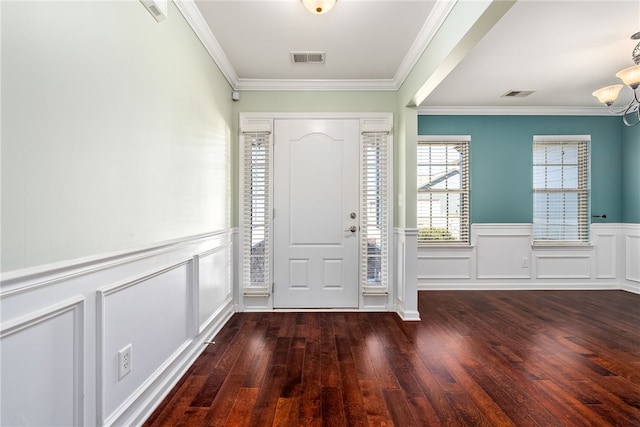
<point>481,358</point>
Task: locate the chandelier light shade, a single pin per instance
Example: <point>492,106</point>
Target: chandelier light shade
<point>608,94</point>
<point>630,77</point>
<point>318,7</point>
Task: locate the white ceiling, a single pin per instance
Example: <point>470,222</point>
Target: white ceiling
<point>562,50</point>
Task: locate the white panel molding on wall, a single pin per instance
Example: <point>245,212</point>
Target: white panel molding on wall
<point>631,233</point>
<point>502,256</point>
<point>606,240</point>
<point>118,307</point>
<point>213,288</point>
<point>33,397</point>
<point>406,298</point>
<point>147,297</point>
<point>501,250</point>
<point>444,266</point>
<point>563,266</point>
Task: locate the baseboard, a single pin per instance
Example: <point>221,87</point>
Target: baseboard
<point>408,315</point>
<point>479,286</point>
<point>631,288</point>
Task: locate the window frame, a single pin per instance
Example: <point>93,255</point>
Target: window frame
<point>464,192</point>
<point>256,175</point>
<point>583,191</point>
<point>376,186</point>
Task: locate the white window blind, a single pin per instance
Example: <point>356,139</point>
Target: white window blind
<point>561,188</point>
<point>374,223</point>
<point>256,210</point>
<point>443,190</point>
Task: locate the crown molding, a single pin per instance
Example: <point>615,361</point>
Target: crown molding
<point>194,18</point>
<point>316,84</point>
<point>513,111</point>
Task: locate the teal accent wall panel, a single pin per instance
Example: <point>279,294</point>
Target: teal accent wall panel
<point>501,157</point>
<point>631,174</point>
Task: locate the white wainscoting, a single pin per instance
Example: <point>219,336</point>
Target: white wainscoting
<point>501,251</point>
<point>501,256</point>
<point>405,290</point>
<point>630,270</point>
<point>33,391</point>
<point>63,325</point>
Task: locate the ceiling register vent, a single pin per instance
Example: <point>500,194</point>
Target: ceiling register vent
<point>307,57</point>
<point>518,93</point>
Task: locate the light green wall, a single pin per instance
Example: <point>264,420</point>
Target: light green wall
<point>116,131</point>
<point>309,101</point>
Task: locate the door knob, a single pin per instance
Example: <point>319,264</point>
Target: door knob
<point>352,229</point>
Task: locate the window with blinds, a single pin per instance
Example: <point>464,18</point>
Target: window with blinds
<point>256,209</point>
<point>374,223</point>
<point>561,189</point>
<point>443,189</point>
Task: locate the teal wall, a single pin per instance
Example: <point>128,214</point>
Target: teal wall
<point>631,174</point>
<point>501,157</point>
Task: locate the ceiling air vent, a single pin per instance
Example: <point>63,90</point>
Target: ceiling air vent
<point>307,57</point>
<point>518,93</point>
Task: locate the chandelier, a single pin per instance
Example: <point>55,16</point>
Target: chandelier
<point>630,77</point>
<point>318,7</point>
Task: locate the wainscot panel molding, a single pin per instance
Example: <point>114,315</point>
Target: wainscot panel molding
<point>502,256</point>
<point>444,266</point>
<point>406,291</point>
<point>31,392</point>
<point>563,266</point>
<point>630,268</point>
<point>606,239</point>
<point>503,251</point>
<point>165,300</point>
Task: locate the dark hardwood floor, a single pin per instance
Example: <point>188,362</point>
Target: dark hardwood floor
<point>493,358</point>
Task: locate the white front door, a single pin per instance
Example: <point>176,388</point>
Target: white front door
<point>316,213</point>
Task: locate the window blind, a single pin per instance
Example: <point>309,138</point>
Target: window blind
<point>443,191</point>
<point>561,189</point>
<point>374,222</point>
<point>256,209</point>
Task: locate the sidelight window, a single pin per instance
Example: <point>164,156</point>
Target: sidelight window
<point>375,213</point>
<point>256,209</point>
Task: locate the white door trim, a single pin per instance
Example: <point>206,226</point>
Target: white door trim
<point>251,299</point>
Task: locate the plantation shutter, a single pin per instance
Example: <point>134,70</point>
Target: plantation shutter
<point>443,189</point>
<point>256,212</point>
<point>561,188</point>
<point>374,221</point>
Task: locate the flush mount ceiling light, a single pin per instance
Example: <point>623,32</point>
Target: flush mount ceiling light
<point>630,77</point>
<point>318,7</point>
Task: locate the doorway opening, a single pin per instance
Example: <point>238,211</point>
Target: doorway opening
<point>315,208</point>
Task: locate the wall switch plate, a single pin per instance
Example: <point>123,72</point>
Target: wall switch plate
<point>525,262</point>
<point>124,362</point>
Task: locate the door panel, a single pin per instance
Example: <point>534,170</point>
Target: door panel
<point>316,189</point>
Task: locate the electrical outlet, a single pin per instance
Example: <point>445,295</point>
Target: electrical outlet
<point>124,362</point>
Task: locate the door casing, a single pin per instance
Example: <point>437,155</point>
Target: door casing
<point>260,298</point>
